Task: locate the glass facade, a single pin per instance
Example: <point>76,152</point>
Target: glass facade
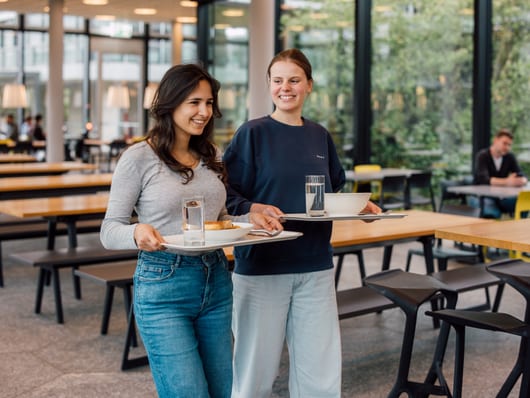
<point>324,32</point>
<point>24,57</point>
<point>510,83</point>
<point>422,73</point>
<point>228,52</point>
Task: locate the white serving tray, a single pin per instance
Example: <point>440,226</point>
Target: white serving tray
<point>369,216</point>
<point>176,242</point>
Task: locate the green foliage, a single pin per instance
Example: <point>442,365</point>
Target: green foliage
<point>422,72</point>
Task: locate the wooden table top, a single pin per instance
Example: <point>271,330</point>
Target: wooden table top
<point>416,224</point>
<point>509,234</point>
<point>56,207</point>
<point>13,184</point>
<point>490,191</point>
<point>378,175</point>
<point>17,158</point>
<point>10,170</point>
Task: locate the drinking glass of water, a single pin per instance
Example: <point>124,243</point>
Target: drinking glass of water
<point>193,221</point>
<point>314,195</point>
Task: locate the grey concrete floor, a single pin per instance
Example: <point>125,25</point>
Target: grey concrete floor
<point>40,358</point>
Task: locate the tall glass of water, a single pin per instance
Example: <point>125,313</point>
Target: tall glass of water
<point>193,221</point>
<point>314,195</point>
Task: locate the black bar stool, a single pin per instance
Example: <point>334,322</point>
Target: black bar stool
<point>517,274</point>
<point>409,291</point>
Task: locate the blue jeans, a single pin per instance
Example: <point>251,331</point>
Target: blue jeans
<point>183,308</point>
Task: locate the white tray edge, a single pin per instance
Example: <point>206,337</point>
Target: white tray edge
<point>304,217</point>
<point>244,241</point>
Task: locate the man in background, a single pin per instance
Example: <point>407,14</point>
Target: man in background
<point>498,166</point>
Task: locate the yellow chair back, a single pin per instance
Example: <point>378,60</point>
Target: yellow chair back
<point>522,205</point>
<point>374,185</point>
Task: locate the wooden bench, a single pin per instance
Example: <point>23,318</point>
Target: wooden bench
<point>360,301</point>
<point>117,275</point>
<point>13,228</point>
<point>51,261</point>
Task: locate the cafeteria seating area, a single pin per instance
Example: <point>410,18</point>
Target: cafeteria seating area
<point>41,358</point>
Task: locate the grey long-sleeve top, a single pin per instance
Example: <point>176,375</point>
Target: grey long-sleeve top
<point>143,183</point>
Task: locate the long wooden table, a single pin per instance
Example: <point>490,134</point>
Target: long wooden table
<point>67,209</point>
<point>45,168</point>
<point>53,185</point>
<point>509,234</point>
<point>349,236</point>
<point>487,191</point>
<point>378,175</point>
<point>17,158</point>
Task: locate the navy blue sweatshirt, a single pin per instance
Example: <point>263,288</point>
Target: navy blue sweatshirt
<point>267,162</point>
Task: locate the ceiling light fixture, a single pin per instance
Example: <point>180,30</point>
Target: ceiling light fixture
<point>145,11</point>
<point>105,17</point>
<point>187,19</point>
<point>14,96</point>
<point>96,2</point>
<point>186,3</point>
<point>233,13</point>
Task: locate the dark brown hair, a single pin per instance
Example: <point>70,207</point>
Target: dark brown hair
<point>504,133</point>
<point>295,56</point>
<point>176,85</point>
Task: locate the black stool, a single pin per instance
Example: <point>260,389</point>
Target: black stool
<point>517,274</point>
<point>409,291</point>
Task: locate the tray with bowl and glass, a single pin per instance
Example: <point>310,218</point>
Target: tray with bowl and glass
<point>344,206</point>
<point>219,234</point>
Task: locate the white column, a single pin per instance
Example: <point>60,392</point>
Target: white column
<point>54,100</point>
<point>261,51</point>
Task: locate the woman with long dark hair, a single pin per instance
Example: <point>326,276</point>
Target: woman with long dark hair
<point>182,300</point>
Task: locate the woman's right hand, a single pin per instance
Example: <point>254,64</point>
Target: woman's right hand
<point>268,210</point>
<point>148,238</point>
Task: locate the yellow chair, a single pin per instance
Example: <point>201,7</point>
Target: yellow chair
<point>522,205</point>
<point>375,185</point>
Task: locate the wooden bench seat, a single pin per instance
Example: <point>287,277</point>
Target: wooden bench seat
<point>360,301</point>
<point>112,276</point>
<point>12,228</point>
<point>116,275</point>
<point>51,261</point>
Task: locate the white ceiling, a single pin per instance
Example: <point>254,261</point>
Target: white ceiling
<point>167,10</point>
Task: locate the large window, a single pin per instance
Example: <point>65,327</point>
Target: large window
<point>422,84</point>
<point>510,82</point>
<point>324,32</point>
<point>229,35</point>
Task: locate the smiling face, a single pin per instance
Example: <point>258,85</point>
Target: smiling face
<point>288,87</point>
<point>192,115</point>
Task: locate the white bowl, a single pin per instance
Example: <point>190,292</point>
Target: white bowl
<point>344,204</point>
<point>228,235</point>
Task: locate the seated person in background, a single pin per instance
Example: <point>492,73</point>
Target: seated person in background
<point>25,129</point>
<point>37,133</point>
<point>10,128</point>
<point>498,166</point>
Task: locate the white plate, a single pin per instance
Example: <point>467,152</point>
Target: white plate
<point>228,235</point>
<point>305,217</point>
<point>176,242</point>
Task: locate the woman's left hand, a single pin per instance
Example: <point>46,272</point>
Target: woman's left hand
<point>262,221</point>
<point>371,207</point>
